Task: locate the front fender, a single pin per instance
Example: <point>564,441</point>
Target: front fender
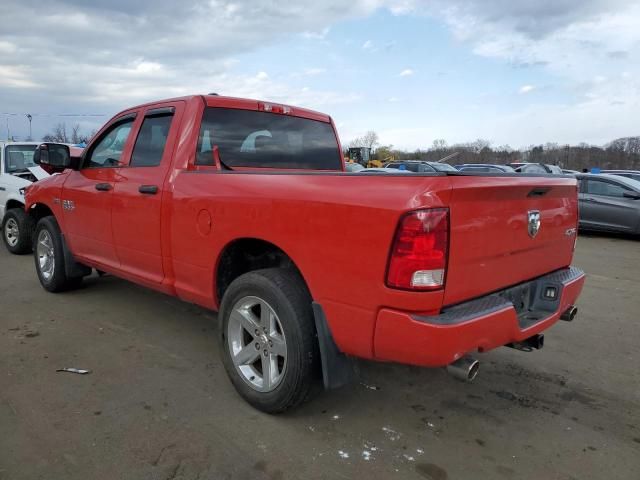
<point>47,193</point>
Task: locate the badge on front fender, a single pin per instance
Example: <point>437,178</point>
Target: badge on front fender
<point>534,222</point>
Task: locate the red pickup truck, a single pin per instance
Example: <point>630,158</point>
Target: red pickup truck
<point>244,207</point>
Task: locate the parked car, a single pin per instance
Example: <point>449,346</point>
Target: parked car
<point>632,174</point>
<point>352,167</point>
<point>484,168</point>
<point>609,203</point>
<point>242,206</point>
<point>385,170</point>
<point>537,168</point>
<point>17,170</point>
<point>420,166</point>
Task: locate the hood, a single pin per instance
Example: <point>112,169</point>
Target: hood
<point>38,172</point>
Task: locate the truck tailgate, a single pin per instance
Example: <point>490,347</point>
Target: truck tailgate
<point>491,246</point>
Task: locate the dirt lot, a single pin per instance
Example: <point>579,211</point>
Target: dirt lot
<point>158,404</point>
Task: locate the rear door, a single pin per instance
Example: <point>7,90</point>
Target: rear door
<point>506,230</point>
<point>87,193</point>
<point>605,207</point>
<point>138,193</point>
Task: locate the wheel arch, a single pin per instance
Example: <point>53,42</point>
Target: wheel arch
<point>39,210</point>
<point>247,254</point>
<point>13,203</point>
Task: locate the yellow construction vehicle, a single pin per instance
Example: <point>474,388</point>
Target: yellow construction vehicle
<point>362,155</point>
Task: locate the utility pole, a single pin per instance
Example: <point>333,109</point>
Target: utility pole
<point>8,137</point>
<point>29,117</point>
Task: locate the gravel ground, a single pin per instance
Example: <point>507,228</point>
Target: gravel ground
<point>158,404</point>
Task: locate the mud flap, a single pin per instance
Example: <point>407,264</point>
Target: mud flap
<point>337,368</point>
<point>72,268</point>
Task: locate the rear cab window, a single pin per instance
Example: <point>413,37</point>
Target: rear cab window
<point>247,138</point>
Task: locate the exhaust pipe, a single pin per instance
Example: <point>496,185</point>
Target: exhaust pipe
<point>528,344</point>
<point>465,368</point>
<point>569,314</point>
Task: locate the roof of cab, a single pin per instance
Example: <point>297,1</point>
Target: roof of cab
<point>214,100</point>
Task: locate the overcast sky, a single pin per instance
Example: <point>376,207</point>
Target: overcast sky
<point>513,72</point>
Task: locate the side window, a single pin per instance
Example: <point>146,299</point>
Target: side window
<point>149,147</point>
<point>606,189</point>
<point>108,150</point>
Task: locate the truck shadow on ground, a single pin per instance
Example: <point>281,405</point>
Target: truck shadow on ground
<point>609,235</point>
<point>403,417</point>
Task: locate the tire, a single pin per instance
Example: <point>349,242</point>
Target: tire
<point>49,257</point>
<point>17,229</point>
<point>289,340</point>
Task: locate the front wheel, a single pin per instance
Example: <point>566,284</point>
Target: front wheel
<point>17,229</point>
<point>268,339</point>
<point>49,257</point>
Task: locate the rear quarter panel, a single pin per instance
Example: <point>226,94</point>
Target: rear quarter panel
<point>337,229</point>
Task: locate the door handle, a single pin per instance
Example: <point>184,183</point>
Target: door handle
<point>148,189</point>
<point>103,187</point>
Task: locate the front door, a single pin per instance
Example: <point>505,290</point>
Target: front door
<point>604,206</point>
<point>88,193</point>
<point>138,193</point>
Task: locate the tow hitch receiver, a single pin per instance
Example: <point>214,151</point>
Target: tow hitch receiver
<point>527,345</point>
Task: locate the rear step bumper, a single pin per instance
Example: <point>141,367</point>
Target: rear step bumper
<point>507,317</point>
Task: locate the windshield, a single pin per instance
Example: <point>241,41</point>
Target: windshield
<point>19,158</point>
<point>247,138</point>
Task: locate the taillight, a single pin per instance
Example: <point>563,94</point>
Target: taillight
<point>418,259</point>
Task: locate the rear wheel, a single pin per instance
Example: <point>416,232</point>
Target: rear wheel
<point>17,228</point>
<point>268,339</point>
<point>49,257</point>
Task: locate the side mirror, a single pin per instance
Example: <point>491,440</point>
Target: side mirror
<point>52,157</point>
<point>632,195</point>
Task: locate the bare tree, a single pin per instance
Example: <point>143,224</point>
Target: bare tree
<point>439,144</point>
<point>60,135</point>
<point>369,140</point>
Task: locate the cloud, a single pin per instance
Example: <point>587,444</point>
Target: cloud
<point>314,71</point>
<point>526,89</point>
<point>102,56</point>
<point>16,77</point>
<point>321,35</point>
